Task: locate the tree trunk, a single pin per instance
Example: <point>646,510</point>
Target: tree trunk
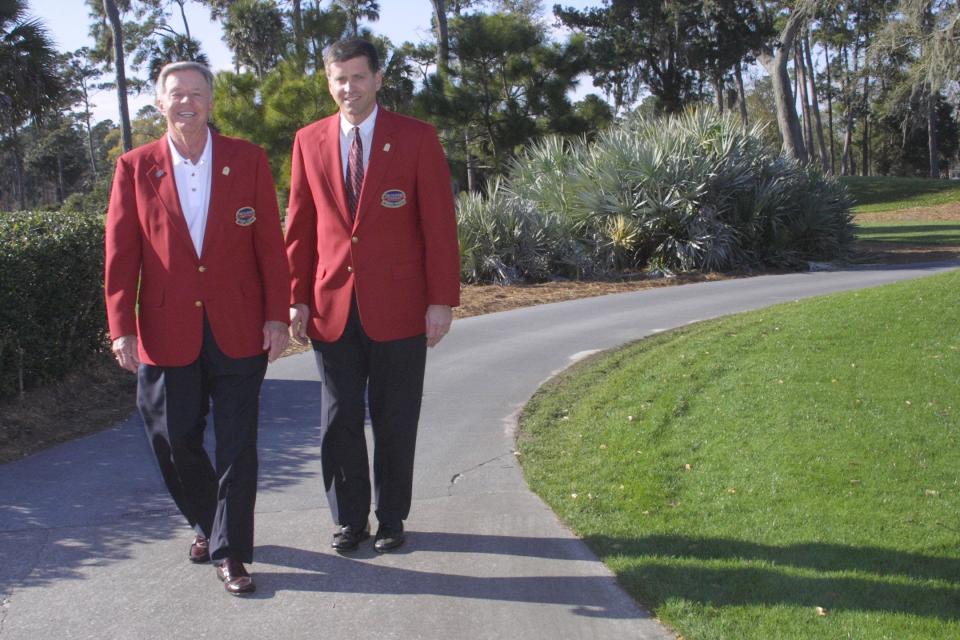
<point>826,70</point>
<point>815,104</point>
<point>865,147</point>
<point>298,35</point>
<point>183,15</point>
<point>718,88</point>
<point>116,28</point>
<point>61,183</point>
<point>443,37</point>
<point>741,94</point>
<point>933,139</point>
<point>18,170</point>
<point>847,162</point>
<point>471,171</point>
<point>800,70</point>
<point>775,63</point>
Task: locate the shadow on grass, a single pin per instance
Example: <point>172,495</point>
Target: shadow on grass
<point>871,190</point>
<point>878,579</point>
<point>919,234</point>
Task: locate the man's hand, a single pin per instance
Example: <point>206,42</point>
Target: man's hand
<point>439,318</point>
<point>275,338</point>
<point>299,315</point>
<point>125,351</point>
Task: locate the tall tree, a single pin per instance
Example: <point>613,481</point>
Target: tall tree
<point>357,10</point>
<point>635,43</point>
<point>255,32</point>
<point>508,85</point>
<point>80,75</point>
<point>108,31</point>
<point>774,56</point>
<point>29,80</point>
<point>930,30</point>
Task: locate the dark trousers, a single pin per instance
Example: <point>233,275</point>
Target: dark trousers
<point>392,375</point>
<point>174,402</point>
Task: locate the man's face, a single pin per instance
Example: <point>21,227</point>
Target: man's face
<point>185,101</point>
<point>354,86</point>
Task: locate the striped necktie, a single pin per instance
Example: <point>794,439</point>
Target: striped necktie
<point>354,172</point>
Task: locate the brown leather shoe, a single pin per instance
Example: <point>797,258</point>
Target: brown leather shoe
<point>200,550</point>
<point>235,578</point>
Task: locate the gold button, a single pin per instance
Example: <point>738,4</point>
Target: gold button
<point>354,239</point>
<point>349,269</point>
<point>201,268</point>
<point>198,304</point>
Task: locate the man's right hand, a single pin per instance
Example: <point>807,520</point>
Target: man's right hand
<point>299,316</point>
<point>125,351</point>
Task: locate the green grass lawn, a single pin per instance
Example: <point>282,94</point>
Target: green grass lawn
<point>928,232</point>
<point>740,473</point>
<point>891,194</point>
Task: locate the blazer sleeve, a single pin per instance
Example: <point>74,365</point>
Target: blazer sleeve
<point>122,253</point>
<point>438,222</point>
<point>301,230</point>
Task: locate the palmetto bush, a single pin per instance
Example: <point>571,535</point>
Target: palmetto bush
<point>690,192</point>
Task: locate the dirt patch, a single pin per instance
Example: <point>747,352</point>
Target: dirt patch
<point>87,401</point>
<point>943,212</point>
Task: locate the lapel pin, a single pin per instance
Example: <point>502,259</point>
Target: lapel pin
<point>159,173</point>
<point>386,147</point>
<point>226,171</point>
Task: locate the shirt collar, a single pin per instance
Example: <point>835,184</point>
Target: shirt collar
<point>205,157</point>
<point>366,127</point>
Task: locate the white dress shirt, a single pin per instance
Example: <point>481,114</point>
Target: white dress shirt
<point>366,138</point>
<point>193,187</point>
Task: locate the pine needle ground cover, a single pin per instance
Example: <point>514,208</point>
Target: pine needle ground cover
<point>787,473</point>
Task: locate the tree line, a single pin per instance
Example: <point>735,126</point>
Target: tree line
<point>861,87</point>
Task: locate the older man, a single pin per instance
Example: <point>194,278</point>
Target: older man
<point>197,288</point>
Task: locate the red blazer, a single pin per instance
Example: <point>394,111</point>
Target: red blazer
<point>399,255</point>
<point>241,279</point>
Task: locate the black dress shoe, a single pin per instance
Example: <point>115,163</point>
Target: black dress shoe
<point>200,550</point>
<point>389,537</point>
<point>235,578</point>
<point>348,537</point>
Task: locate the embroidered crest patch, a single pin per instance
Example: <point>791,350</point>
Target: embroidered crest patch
<point>246,216</point>
<point>393,199</point>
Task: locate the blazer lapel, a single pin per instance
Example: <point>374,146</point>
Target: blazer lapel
<point>383,150</point>
<point>220,179</point>
<point>160,175</point>
<point>328,150</point>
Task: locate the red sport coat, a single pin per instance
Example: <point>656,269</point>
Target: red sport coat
<point>399,255</point>
<point>241,279</point>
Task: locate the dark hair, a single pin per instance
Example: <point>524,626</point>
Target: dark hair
<point>350,48</point>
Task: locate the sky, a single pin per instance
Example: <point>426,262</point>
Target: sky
<point>400,20</point>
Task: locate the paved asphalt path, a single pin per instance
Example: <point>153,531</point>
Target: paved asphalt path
<point>92,547</point>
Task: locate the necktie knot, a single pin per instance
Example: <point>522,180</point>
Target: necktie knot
<point>354,172</point>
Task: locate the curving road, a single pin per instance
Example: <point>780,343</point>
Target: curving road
<point>91,547</point>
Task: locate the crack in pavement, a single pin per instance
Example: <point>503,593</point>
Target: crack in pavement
<point>455,478</point>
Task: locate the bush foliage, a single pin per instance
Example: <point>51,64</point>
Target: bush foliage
<point>696,191</point>
<point>51,296</point>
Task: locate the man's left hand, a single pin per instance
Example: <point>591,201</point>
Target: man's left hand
<point>275,338</point>
<point>439,318</point>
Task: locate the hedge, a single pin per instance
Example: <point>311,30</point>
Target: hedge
<point>51,296</point>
